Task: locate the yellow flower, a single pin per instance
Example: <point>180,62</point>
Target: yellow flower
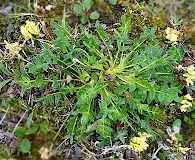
<point>14,48</point>
<point>191,71</point>
<point>183,150</point>
<point>46,153</point>
<point>183,108</point>
<point>144,135</point>
<point>32,27</point>
<point>29,29</point>
<point>172,35</point>
<point>180,67</point>
<point>189,79</point>
<point>187,96</point>
<point>139,143</point>
<point>25,33</point>
<point>185,103</point>
<point>190,75</point>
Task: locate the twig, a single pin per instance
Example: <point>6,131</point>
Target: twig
<point>114,148</point>
<point>4,115</point>
<point>61,144</point>
<point>18,122</point>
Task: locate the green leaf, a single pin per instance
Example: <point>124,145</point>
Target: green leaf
<point>192,87</point>
<point>33,129</point>
<point>20,131</point>
<point>25,82</point>
<point>121,134</point>
<point>25,145</point>
<point>179,137</point>
<point>71,128</point>
<point>161,97</point>
<point>164,154</point>
<point>4,82</point>
<point>84,19</point>
<point>85,118</point>
<point>78,9</point>
<point>101,32</point>
<point>33,69</point>
<point>176,53</point>
<point>5,154</point>
<point>85,110</point>
<point>112,2</point>
<point>57,98</point>
<point>44,128</point>
<point>68,78</point>
<point>177,123</point>
<point>142,107</point>
<point>185,119</point>
<point>124,4</point>
<point>193,115</point>
<point>103,127</point>
<point>45,66</point>
<point>155,112</point>
<point>88,4</point>
<point>6,71</point>
<point>23,69</point>
<point>38,80</point>
<point>29,120</point>
<point>115,114</point>
<point>94,15</point>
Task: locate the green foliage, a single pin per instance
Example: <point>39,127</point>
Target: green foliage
<point>124,4</point>
<point>164,154</point>
<point>189,119</point>
<point>20,131</point>
<point>104,128</point>
<point>119,77</point>
<point>84,10</point>
<point>100,80</point>
<point>95,85</point>
<point>177,123</point>
<point>78,9</point>
<point>88,4</point>
<point>5,154</point>
<point>3,83</point>
<point>112,2</point>
<point>179,137</point>
<point>94,15</point>
<point>25,145</point>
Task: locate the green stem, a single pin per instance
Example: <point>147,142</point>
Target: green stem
<point>63,125</point>
<point>135,49</point>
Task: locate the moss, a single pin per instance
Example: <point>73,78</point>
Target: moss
<point>139,22</point>
<point>103,7</point>
<point>188,130</point>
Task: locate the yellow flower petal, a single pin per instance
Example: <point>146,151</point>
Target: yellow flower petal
<point>168,30</point>
<point>183,150</point>
<point>46,153</point>
<point>191,71</point>
<point>14,48</point>
<point>25,33</point>
<point>32,27</point>
<point>190,75</point>
<point>188,97</point>
<point>185,103</point>
<point>139,143</point>
<point>190,81</point>
<point>172,37</point>
<point>183,108</point>
<point>29,29</point>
